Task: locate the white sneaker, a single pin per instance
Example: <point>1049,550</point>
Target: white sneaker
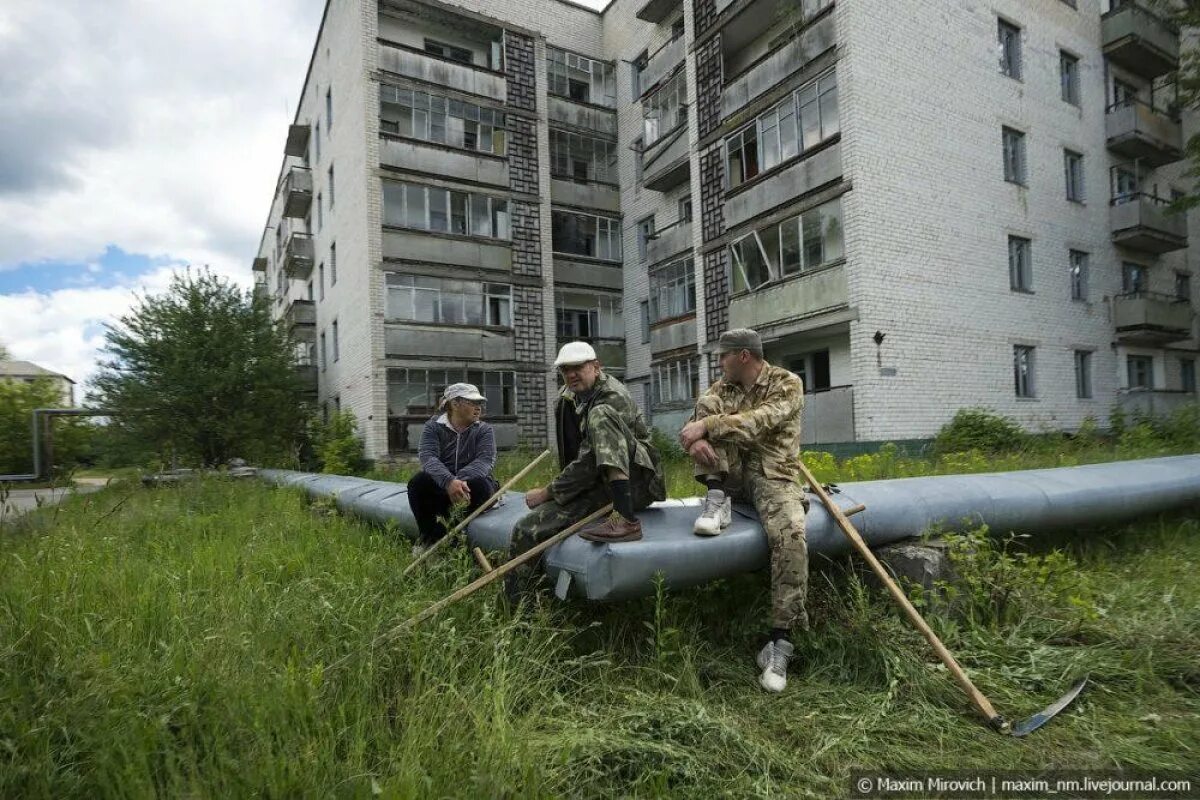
<point>717,513</point>
<point>774,674</point>
<point>764,656</point>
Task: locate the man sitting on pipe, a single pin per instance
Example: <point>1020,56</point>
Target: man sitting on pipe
<point>745,441</point>
<point>605,456</point>
<point>458,454</point>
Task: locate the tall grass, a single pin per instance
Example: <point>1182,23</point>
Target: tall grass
<point>177,642</point>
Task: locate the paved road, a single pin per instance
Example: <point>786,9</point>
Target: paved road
<point>21,500</point>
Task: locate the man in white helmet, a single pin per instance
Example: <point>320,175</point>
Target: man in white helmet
<point>605,455</point>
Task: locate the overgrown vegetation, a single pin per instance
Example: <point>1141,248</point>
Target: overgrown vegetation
<point>178,642</point>
<point>338,447</point>
<point>71,437</point>
<point>200,374</point>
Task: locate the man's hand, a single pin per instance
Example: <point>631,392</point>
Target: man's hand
<point>459,491</point>
<point>692,433</point>
<point>703,454</point>
<point>535,497</point>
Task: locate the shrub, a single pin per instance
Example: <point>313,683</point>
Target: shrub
<point>339,449</point>
<point>979,429</point>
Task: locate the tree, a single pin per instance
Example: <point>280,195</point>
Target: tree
<point>69,438</point>
<point>4,356</point>
<point>202,373</point>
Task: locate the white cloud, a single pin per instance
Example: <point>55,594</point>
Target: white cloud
<point>157,127</point>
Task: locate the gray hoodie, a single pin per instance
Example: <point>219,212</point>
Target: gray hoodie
<point>447,454</point>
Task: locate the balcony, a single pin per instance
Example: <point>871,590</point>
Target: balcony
<point>1136,130</point>
<point>673,334</point>
<point>672,240</point>
<point>661,64</point>
<point>1151,318</point>
<point>261,291</point>
<point>1144,222</point>
<point>298,256</point>
<point>447,343</point>
<point>775,187</point>
<point>300,313</point>
<point>585,194</point>
<point>415,245</point>
<point>580,115</point>
<point>444,161</point>
<point>667,163</point>
<point>808,295</point>
<point>260,264</point>
<point>656,11</point>
<point>1139,40</point>
<point>297,140</point>
<point>306,375</point>
<point>297,192</point>
<point>418,64</point>
<point>774,68</point>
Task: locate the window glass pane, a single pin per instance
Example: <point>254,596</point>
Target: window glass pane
<point>831,226</point>
<point>481,220</point>
<point>789,236</point>
<point>439,219</point>
<point>458,212</point>
<point>814,249</point>
<point>393,203</point>
<point>414,198</point>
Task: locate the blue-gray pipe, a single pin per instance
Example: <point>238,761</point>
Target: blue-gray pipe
<point>1026,501</point>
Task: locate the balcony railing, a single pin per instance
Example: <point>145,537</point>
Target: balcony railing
<point>1146,222</point>
<point>661,63</point>
<point>297,140</point>
<point>774,68</point>
<point>427,67</point>
<point>1139,40</point>
<point>300,313</point>
<point>828,416</point>
<point>1152,318</point>
<point>298,256</point>
<point>668,241</point>
<point>297,192</point>
<point>1153,402</point>
<point>260,264</point>
<point>667,163</point>
<point>306,373</point>
<point>1137,130</point>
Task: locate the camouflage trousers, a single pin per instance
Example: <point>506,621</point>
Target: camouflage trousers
<point>780,505</point>
<point>552,516</point>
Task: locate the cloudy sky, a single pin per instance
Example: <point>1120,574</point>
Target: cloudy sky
<point>136,137</point>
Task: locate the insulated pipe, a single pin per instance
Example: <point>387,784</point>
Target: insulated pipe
<point>1029,501</point>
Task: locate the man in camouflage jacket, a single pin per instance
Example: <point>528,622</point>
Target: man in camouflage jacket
<point>745,441</point>
<point>605,456</point>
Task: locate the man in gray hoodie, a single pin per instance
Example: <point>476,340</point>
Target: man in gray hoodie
<point>458,453</point>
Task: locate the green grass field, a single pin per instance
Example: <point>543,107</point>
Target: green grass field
<point>175,642</point>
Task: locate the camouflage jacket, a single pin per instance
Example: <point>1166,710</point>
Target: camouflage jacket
<point>612,430</point>
<point>763,420</point>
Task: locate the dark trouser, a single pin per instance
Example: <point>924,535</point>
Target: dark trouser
<point>429,501</point>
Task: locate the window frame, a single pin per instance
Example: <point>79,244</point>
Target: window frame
<point>1024,374</point>
<point>1020,270</point>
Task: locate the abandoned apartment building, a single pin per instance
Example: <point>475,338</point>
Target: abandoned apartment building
<point>920,206</point>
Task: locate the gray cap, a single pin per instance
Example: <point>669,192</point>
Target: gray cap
<point>467,391</point>
<point>739,339</point>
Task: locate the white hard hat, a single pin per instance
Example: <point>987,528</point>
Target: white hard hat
<point>575,353</point>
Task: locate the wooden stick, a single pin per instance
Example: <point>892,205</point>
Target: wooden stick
<point>977,697</point>
<point>482,560</point>
<point>437,546</point>
<point>852,510</point>
<point>498,572</point>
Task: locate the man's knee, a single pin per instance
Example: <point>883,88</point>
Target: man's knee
<point>422,482</point>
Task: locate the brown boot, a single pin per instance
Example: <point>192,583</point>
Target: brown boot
<point>614,529</point>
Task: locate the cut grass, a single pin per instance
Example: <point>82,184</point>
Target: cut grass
<point>174,642</point>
